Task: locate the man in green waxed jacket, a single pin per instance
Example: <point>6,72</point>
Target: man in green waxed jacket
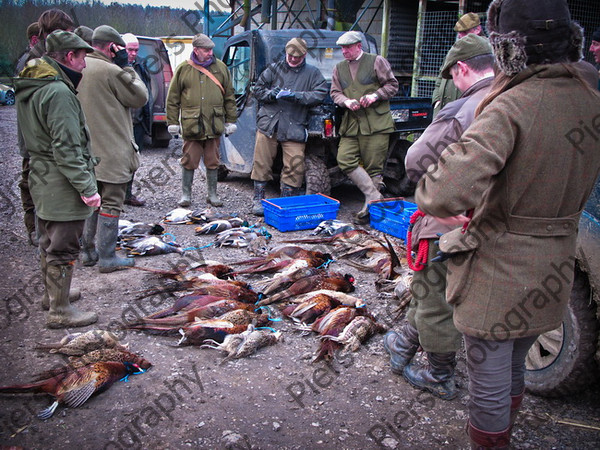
<point>61,178</point>
<point>363,85</point>
<point>202,100</point>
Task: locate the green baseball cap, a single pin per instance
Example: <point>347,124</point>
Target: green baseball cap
<point>61,40</point>
<point>465,48</point>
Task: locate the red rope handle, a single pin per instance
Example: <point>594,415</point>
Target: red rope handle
<point>421,260</point>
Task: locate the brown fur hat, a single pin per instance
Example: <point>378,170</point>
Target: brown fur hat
<point>522,34</point>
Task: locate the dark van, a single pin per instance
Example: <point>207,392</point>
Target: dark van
<point>154,54</point>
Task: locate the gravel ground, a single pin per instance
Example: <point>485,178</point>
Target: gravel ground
<point>274,399</point>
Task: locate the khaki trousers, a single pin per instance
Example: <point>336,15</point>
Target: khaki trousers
<point>371,150</point>
<point>265,151</point>
<point>193,151</point>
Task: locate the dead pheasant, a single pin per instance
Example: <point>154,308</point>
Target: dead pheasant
<point>285,252</point>
<point>323,280</point>
<point>199,332</point>
<point>331,325</point>
<point>182,273</point>
<point>78,344</point>
<point>357,332</point>
<point>75,387</point>
<point>203,312</point>
<point>237,290</point>
<point>186,302</point>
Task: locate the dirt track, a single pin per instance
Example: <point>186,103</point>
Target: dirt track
<point>274,399</point>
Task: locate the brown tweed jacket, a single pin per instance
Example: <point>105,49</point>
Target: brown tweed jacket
<point>525,167</point>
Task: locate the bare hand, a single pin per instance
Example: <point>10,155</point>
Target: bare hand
<point>368,100</point>
<point>93,201</point>
<point>352,104</point>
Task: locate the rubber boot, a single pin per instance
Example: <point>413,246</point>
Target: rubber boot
<point>401,346</point>
<point>483,439</point>
<point>89,255</point>
<point>259,194</point>
<point>107,241</point>
<point>289,191</point>
<point>362,180</point>
<point>187,177</point>
<point>74,293</point>
<point>62,314</point>
<point>515,406</point>
<point>378,182</point>
<point>436,377</point>
<point>211,185</point>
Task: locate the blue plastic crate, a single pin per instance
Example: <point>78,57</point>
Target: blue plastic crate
<point>299,213</point>
<point>392,216</point>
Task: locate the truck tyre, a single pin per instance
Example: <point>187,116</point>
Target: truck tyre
<point>394,172</point>
<point>562,361</point>
<point>316,175</point>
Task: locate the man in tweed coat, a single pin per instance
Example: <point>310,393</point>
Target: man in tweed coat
<point>523,170</point>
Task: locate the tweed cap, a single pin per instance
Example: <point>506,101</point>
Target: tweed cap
<point>84,33</point>
<point>465,48</point>
<point>296,47</point>
<point>61,40</point>
<point>107,33</point>
<point>349,38</point>
<point>466,22</point>
<point>203,41</point>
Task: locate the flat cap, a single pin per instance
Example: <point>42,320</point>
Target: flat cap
<point>107,33</point>
<point>465,48</point>
<point>61,40</point>
<point>84,33</point>
<point>349,38</point>
<point>203,41</point>
<point>466,22</point>
<point>296,47</point>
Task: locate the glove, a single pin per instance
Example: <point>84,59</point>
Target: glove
<point>286,95</point>
<point>274,92</point>
<point>93,201</point>
<point>173,130</point>
<point>230,128</point>
<point>121,59</point>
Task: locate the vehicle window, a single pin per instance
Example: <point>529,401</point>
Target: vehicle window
<point>237,59</point>
<point>325,59</point>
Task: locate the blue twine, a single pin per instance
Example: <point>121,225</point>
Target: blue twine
<point>198,248</point>
<point>266,328</point>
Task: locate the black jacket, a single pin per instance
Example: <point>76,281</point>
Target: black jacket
<point>287,119</point>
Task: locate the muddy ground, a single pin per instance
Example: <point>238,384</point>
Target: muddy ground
<point>274,399</point>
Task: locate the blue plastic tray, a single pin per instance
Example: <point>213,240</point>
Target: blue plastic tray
<point>392,216</point>
<point>299,213</point>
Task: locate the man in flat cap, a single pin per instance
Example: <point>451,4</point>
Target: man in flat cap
<point>429,322</point>
<point>445,91</point>
<point>49,21</point>
<point>363,85</point>
<point>61,178</point>
<point>109,88</point>
<point>201,107</point>
<point>285,90</point>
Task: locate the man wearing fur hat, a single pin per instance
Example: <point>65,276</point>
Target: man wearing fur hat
<point>61,178</point>
<point>110,87</point>
<point>201,98</point>
<point>286,90</point>
<point>363,85</point>
<point>524,181</point>
<point>429,319</point>
<point>445,91</point>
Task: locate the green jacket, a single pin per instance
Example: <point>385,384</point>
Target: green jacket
<point>53,126</point>
<point>526,169</point>
<point>204,110</point>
